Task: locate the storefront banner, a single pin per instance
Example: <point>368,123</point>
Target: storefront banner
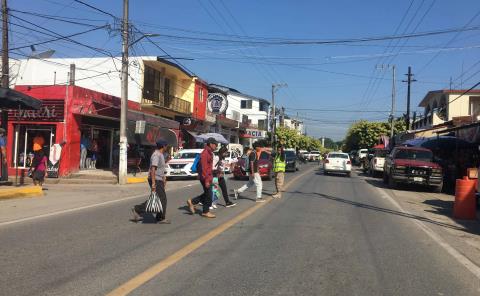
<point>51,110</point>
<point>256,133</point>
<point>54,161</point>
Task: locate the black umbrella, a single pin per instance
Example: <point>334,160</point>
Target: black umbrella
<point>12,99</point>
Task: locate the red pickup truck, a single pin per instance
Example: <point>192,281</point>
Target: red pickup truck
<point>412,165</point>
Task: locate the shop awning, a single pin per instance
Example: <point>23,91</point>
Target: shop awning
<point>246,136</point>
<point>151,135</point>
<point>12,99</point>
<point>197,137</point>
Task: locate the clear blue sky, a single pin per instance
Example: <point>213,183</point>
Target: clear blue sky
<point>342,77</point>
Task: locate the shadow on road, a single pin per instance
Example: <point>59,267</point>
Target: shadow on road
<point>472,227</point>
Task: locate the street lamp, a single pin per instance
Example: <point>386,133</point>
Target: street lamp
<point>144,36</point>
<point>275,88</point>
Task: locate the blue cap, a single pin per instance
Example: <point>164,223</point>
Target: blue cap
<point>161,143</point>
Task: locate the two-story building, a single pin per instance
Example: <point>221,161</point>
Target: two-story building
<point>245,118</point>
<point>293,123</point>
<point>443,107</point>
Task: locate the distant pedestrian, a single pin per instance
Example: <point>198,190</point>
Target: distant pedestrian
<point>254,177</point>
<point>279,165</point>
<point>84,145</point>
<point>39,168</point>
<point>205,175</point>
<point>157,181</point>
<point>219,164</point>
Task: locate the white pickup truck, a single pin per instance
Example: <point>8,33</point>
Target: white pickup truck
<point>313,155</point>
<point>377,162</point>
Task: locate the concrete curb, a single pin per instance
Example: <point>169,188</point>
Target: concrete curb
<point>21,192</point>
<point>136,180</point>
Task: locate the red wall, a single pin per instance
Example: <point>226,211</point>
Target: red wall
<point>199,108</point>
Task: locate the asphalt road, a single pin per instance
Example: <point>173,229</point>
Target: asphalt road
<point>328,235</point>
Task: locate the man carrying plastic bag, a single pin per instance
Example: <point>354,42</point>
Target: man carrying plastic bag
<point>157,181</point>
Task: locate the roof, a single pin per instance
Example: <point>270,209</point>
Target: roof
<point>229,90</point>
<point>434,93</point>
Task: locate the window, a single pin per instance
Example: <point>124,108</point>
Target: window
<point>262,124</point>
<point>264,106</point>
<point>151,84</point>
<point>246,104</point>
<point>200,94</point>
<point>264,155</point>
<point>414,154</point>
<point>474,106</point>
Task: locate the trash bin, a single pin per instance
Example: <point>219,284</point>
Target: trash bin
<point>465,206</point>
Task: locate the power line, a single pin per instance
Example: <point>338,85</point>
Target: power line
<point>55,18</point>
<point>61,37</point>
<point>96,8</point>
<point>326,42</point>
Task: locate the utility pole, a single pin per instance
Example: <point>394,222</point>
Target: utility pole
<point>392,112</point>
<point>394,93</point>
<point>409,82</point>
<point>275,87</point>
<point>122,167</point>
<point>5,65</point>
<point>5,81</point>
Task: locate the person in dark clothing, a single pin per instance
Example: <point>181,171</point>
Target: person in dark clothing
<point>205,175</point>
<point>157,181</point>
<point>219,172</point>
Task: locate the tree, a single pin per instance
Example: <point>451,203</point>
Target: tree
<point>365,134</point>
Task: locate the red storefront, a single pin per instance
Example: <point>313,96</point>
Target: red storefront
<point>67,113</point>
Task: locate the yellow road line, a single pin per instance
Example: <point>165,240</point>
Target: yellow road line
<point>153,271</point>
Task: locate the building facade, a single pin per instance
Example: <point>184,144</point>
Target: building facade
<point>443,106</point>
<point>244,119</point>
<point>70,113</point>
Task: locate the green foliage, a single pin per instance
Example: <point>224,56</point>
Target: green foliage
<point>291,138</point>
<point>365,134</point>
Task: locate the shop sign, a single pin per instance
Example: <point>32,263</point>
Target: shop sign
<point>217,103</point>
<point>256,133</point>
<point>51,110</point>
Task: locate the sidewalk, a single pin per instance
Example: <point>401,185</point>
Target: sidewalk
<point>64,197</point>
<point>435,210</point>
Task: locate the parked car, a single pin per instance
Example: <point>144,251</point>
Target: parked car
<point>377,162</point>
<point>337,162</point>
<point>303,155</point>
<point>181,164</point>
<point>265,166</point>
<point>314,155</point>
<point>291,159</point>
<point>361,153</point>
<point>412,165</point>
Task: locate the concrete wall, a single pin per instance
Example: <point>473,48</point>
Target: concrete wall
<point>458,107</point>
<point>99,74</point>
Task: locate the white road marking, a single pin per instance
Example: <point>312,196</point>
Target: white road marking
<point>467,263</point>
<point>81,208</point>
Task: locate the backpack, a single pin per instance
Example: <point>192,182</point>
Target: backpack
<point>246,163</point>
<point>194,168</point>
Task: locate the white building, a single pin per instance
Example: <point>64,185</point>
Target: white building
<point>295,124</point>
<point>251,113</point>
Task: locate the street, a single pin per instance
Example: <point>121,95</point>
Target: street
<point>328,235</point>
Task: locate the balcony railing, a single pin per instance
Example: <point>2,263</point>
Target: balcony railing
<point>169,102</point>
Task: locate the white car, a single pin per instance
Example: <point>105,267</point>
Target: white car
<point>337,162</point>
<point>314,155</point>
<point>362,153</point>
<point>181,164</point>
